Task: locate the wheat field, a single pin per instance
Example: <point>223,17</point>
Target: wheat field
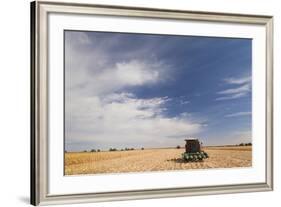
<point>154,160</point>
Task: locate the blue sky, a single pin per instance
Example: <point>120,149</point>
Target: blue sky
<point>139,90</point>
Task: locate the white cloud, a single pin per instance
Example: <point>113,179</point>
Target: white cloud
<point>93,71</point>
<point>114,78</point>
<point>136,72</point>
<point>241,80</point>
<point>245,113</point>
<point>234,96</point>
<point>243,88</point>
<point>100,110</point>
<point>122,119</point>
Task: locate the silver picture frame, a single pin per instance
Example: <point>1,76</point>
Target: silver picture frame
<point>39,100</point>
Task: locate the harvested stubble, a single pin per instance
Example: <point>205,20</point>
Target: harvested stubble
<point>153,160</point>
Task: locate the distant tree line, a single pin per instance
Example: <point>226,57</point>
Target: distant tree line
<point>130,149</point>
<point>94,150</point>
<point>245,144</point>
<point>111,150</point>
<point>125,149</point>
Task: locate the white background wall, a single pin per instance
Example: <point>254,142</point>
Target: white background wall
<point>14,104</point>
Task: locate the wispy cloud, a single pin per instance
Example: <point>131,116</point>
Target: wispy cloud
<point>242,88</point>
<point>183,102</point>
<point>241,80</point>
<point>238,114</point>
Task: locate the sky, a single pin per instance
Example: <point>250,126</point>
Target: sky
<point>143,90</point>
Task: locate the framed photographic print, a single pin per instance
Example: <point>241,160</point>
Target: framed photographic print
<point>135,103</point>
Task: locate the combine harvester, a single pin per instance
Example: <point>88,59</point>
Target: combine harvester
<point>193,152</point>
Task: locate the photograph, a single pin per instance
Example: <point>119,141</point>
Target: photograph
<point>132,103</point>
<point>139,102</point>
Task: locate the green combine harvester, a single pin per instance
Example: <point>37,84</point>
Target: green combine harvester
<point>193,152</point>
